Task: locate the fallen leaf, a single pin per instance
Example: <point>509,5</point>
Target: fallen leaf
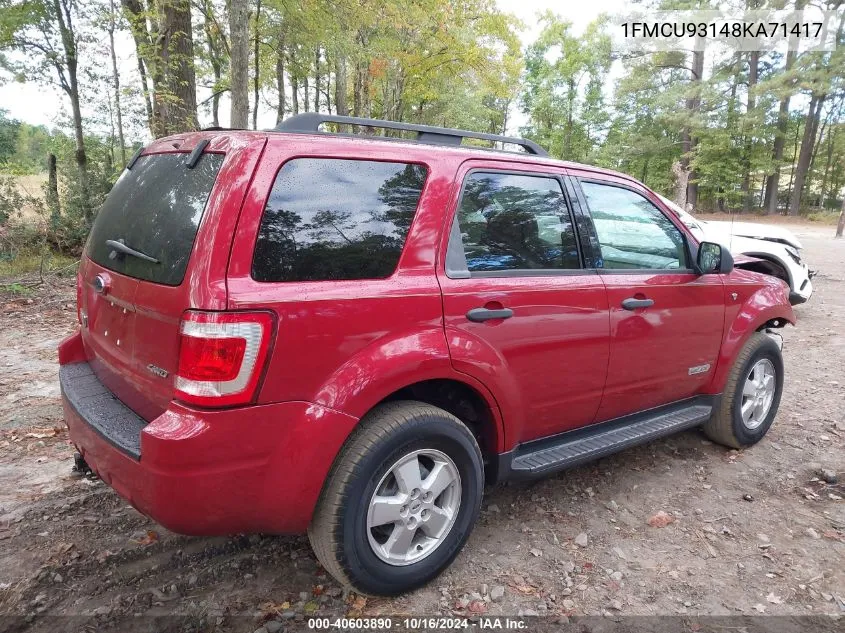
<point>759,607</point>
<point>477,606</point>
<point>660,520</point>
<point>150,538</point>
<point>535,552</point>
<point>774,599</point>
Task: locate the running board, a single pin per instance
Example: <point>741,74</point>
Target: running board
<point>573,448</point>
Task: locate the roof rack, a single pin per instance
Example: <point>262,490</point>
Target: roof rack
<point>310,122</point>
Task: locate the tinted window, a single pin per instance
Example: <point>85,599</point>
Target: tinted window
<point>336,219</point>
<point>512,222</point>
<point>632,232</point>
<point>155,208</point>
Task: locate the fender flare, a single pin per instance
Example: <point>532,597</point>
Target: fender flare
<point>746,322</point>
<point>394,362</point>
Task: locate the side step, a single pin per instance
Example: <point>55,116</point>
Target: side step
<point>576,447</point>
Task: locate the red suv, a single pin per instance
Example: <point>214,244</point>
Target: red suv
<point>350,335</point>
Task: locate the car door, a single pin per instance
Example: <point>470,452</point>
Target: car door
<point>522,314</point>
<point>666,321</point>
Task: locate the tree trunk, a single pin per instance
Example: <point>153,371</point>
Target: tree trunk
<point>176,97</point>
<point>805,155</point>
<point>828,163</point>
<point>306,88</point>
<point>116,79</point>
<point>280,78</point>
<point>773,179</point>
<point>134,12</point>
<point>753,69</point>
<point>71,87</point>
<point>317,79</point>
<point>239,62</point>
<point>840,227</point>
<point>693,106</point>
<point>53,190</point>
<point>294,93</point>
<point>340,104</point>
<point>256,63</point>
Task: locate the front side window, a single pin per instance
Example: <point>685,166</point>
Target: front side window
<point>513,222</point>
<point>632,232</point>
<point>330,219</point>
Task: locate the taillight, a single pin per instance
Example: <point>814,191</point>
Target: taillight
<point>221,356</point>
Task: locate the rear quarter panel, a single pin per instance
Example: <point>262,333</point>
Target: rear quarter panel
<point>346,345</point>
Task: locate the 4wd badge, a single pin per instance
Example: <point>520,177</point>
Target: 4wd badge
<point>158,371</point>
<point>699,369</point>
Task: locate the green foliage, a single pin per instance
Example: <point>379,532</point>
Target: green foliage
<point>563,95</point>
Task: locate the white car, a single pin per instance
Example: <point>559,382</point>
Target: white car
<point>777,248</point>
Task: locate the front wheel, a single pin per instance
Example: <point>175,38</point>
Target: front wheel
<point>400,501</point>
<point>752,395</point>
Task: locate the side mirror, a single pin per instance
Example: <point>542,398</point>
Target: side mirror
<point>713,259</point>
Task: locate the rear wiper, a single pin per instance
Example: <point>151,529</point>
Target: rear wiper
<point>118,245</point>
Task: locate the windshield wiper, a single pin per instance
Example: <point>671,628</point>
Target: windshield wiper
<point>118,245</point>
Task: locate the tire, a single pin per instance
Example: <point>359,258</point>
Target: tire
<point>396,438</point>
<point>728,426</point>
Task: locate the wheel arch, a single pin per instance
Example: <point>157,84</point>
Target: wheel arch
<point>763,309</point>
<point>769,260</point>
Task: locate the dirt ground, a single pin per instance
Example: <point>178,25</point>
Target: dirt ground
<point>754,531</point>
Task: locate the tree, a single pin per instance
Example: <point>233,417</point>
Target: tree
<point>111,25</point>
<point>45,35</point>
<point>239,65</point>
<point>564,76</point>
<point>163,35</point>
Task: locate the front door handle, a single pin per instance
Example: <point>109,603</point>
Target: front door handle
<point>479,315</point>
<point>632,304</point>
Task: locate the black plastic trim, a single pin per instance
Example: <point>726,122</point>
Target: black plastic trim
<point>100,409</point>
<point>196,154</point>
<point>796,299</point>
<point>135,158</point>
<point>573,448</point>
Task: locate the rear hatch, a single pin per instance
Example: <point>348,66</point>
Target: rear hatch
<point>150,257</point>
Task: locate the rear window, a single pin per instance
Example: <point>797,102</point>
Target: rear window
<point>155,208</point>
<point>330,219</point>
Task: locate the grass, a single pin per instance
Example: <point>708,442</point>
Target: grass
<point>31,263</point>
<point>824,217</point>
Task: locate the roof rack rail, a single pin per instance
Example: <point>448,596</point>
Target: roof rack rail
<point>310,122</point>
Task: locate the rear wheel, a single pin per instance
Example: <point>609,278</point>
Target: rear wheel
<point>400,500</point>
<point>752,395</point>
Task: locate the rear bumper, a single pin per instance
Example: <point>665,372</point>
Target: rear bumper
<point>253,469</point>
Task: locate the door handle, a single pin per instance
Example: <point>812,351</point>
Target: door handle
<point>479,315</point>
<point>632,304</point>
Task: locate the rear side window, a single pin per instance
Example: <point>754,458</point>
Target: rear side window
<point>329,219</point>
<point>155,208</point>
<point>513,222</point>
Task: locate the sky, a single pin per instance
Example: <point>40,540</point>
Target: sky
<point>46,105</point>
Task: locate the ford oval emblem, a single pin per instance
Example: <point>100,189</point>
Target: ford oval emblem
<point>100,284</point>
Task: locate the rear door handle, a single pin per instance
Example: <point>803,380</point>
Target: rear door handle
<point>632,304</point>
<point>479,315</point>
